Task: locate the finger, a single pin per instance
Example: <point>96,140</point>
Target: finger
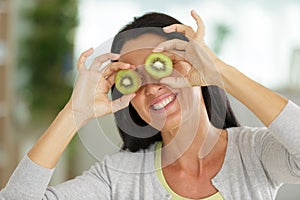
<point>110,75</point>
<point>111,80</point>
<point>122,102</point>
<point>98,61</point>
<point>195,78</point>
<point>112,68</point>
<point>175,44</point>
<point>180,28</point>
<point>83,57</point>
<point>181,68</point>
<point>175,56</point>
<point>200,26</point>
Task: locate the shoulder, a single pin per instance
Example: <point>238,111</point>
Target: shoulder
<point>248,139</point>
<point>247,134</point>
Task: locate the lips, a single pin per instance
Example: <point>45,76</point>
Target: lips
<point>162,101</point>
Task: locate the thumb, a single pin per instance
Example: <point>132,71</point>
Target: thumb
<point>195,78</point>
<point>122,102</point>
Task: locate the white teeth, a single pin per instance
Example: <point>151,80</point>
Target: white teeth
<point>163,103</point>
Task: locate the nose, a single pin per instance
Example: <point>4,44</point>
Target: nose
<point>152,88</point>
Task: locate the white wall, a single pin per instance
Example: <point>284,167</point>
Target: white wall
<point>264,35</point>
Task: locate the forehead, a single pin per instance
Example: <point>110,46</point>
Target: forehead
<point>136,50</point>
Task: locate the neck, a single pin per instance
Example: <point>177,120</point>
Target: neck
<point>194,145</point>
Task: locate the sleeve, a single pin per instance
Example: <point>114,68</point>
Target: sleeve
<point>30,182</point>
<point>280,150</point>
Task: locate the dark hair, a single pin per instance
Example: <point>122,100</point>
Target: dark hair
<point>216,101</point>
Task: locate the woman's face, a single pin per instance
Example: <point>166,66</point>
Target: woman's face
<point>157,104</point>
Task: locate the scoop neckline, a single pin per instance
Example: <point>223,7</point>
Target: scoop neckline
<point>163,182</point>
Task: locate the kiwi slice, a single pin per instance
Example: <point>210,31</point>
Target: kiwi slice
<point>127,81</point>
<point>158,65</point>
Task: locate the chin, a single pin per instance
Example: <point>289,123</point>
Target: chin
<point>172,123</point>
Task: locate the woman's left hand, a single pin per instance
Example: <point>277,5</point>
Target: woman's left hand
<point>206,65</point>
<point>264,103</point>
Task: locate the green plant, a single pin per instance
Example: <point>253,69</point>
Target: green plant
<point>46,55</point>
<point>222,31</point>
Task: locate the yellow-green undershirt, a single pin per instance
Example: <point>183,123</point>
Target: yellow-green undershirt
<point>162,179</point>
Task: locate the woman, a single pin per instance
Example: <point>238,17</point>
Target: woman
<point>200,158</point>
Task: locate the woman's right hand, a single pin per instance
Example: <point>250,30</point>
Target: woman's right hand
<point>90,95</point>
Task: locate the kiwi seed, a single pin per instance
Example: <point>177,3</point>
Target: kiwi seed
<point>127,81</point>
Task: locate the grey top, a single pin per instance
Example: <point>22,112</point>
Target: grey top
<point>257,162</point>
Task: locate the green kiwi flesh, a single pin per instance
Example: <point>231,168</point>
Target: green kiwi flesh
<point>158,65</point>
<point>127,81</point>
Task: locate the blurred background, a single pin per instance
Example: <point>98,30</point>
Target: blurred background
<point>40,41</point>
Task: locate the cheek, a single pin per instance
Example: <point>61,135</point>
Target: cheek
<point>139,105</point>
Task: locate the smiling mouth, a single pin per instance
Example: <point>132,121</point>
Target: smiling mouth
<point>163,103</point>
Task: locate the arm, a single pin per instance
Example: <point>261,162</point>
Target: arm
<point>30,182</point>
<point>280,150</point>
<point>50,146</point>
<point>264,103</point>
<point>89,100</point>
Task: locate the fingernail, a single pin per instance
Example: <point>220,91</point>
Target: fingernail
<point>89,50</point>
<point>157,50</point>
<point>167,29</point>
<point>133,95</point>
<point>115,56</point>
